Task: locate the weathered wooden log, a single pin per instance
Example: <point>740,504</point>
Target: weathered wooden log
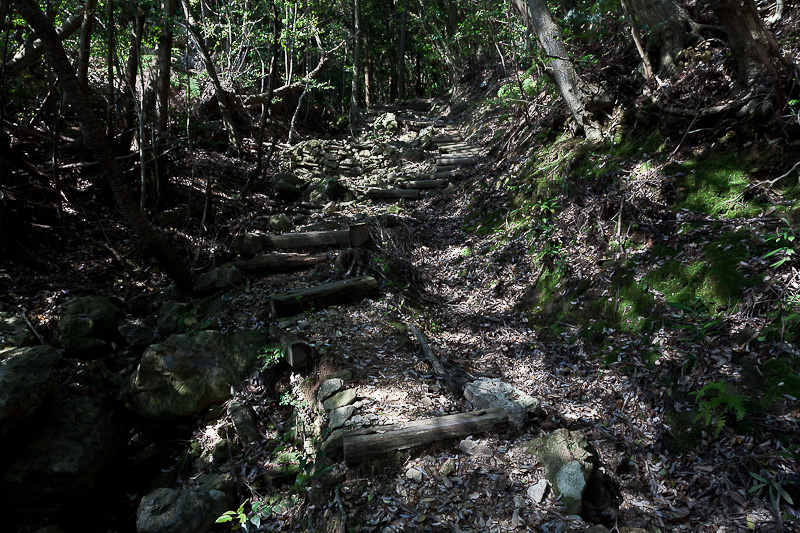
<point>297,352</point>
<point>252,243</point>
<point>393,194</point>
<point>453,172</point>
<point>278,262</point>
<point>422,184</point>
<point>377,441</point>
<point>441,161</point>
<point>446,139</point>
<point>334,293</point>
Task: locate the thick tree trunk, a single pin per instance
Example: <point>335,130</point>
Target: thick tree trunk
<point>224,107</point>
<point>164,66</point>
<point>99,143</point>
<point>84,47</point>
<point>670,30</point>
<point>751,45</point>
<point>561,67</point>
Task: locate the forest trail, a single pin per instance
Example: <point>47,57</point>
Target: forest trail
<point>446,316</point>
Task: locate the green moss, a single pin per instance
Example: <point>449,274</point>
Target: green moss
<point>717,186</point>
<point>711,279</point>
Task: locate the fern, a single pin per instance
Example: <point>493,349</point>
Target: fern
<point>715,401</point>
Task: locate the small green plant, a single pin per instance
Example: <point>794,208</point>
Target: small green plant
<point>715,400</point>
<point>270,356</point>
<point>775,488</point>
<point>259,511</point>
<point>784,239</point>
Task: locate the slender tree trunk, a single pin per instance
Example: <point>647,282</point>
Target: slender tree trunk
<point>418,81</point>
<point>100,145</point>
<point>401,56</point>
<point>368,81</point>
<point>32,51</point>
<point>110,93</point>
<point>224,107</point>
<point>561,67</point>
<point>131,70</point>
<point>355,108</point>
<point>84,48</point>
<point>164,66</point>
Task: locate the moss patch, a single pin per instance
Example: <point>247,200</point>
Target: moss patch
<point>717,186</point>
<point>711,278</point>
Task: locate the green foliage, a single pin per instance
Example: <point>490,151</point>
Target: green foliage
<point>715,401</point>
<point>774,485</point>
<point>271,355</point>
<point>784,239</point>
<point>259,511</point>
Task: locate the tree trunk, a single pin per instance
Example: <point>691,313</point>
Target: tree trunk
<point>670,28</point>
<point>225,109</point>
<point>28,55</point>
<point>748,39</point>
<point>100,145</point>
<point>401,56</point>
<point>355,109</point>
<point>84,47</point>
<point>128,100</point>
<point>561,67</point>
<point>110,92</point>
<point>164,64</point>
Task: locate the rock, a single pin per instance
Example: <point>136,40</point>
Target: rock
<point>224,483</point>
<point>340,399</point>
<point>172,318</point>
<point>574,472</point>
<point>218,279</point>
<point>328,190</point>
<point>447,467</point>
<point>414,474</point>
<point>65,460</point>
<point>288,185</point>
<point>179,511</point>
<point>485,393</point>
<point>86,324</point>
<point>14,331</point>
<point>537,491</point>
<point>520,502</point>
<point>280,223</point>
<point>249,244</point>
<point>187,373</point>
<point>345,375</point>
<point>137,333</point>
<point>470,447</point>
<point>26,378</point>
<point>244,421</point>
<point>329,387</point>
<point>413,154</point>
<point>339,416</point>
<point>387,121</point>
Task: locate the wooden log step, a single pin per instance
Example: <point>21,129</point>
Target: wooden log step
<point>464,152</point>
<point>456,160</point>
<point>334,293</point>
<point>296,351</point>
<point>446,140</point>
<point>252,243</point>
<point>447,173</point>
<point>422,184</point>
<point>393,194</point>
<point>367,444</point>
<point>278,262</point>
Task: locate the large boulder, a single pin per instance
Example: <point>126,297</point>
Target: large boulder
<point>64,461</point>
<point>179,511</point>
<point>14,331</point>
<point>288,186</point>
<point>485,393</point>
<point>573,469</point>
<point>26,378</point>
<point>329,190</point>
<point>218,279</point>
<point>187,373</point>
<point>86,324</point>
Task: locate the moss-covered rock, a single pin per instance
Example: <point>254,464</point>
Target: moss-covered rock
<point>187,373</point>
<point>14,331</point>
<point>26,378</point>
<point>86,324</point>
